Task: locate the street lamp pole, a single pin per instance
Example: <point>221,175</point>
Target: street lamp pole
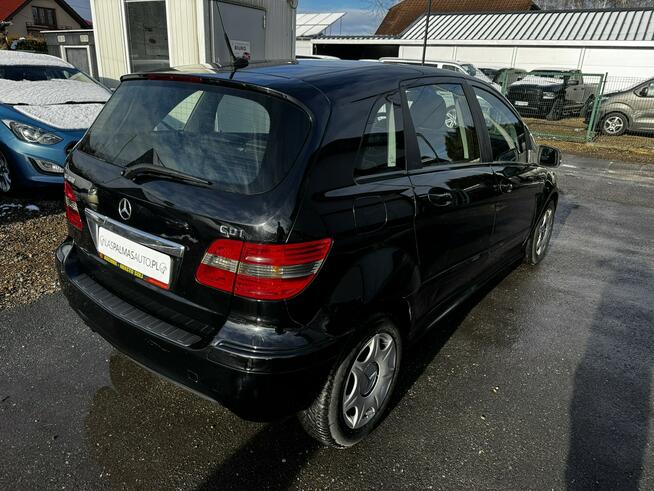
<point>424,47</point>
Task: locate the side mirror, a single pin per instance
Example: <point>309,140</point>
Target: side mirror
<point>549,156</point>
<point>644,91</point>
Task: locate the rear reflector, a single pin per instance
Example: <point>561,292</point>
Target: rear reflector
<point>262,271</point>
<point>72,212</point>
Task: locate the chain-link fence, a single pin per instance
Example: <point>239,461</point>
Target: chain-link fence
<point>583,107</point>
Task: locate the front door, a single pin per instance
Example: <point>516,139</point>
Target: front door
<point>453,187</point>
<point>643,103</point>
<point>79,58</point>
<point>517,182</point>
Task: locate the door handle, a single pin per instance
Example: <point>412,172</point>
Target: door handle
<point>441,199</point>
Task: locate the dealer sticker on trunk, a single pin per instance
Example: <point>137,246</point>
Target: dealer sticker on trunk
<point>134,258</point>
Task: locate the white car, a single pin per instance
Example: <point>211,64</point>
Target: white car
<point>466,68</point>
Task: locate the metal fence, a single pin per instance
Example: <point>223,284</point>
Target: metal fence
<point>583,107</point>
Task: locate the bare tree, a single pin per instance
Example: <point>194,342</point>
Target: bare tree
<point>379,8</point>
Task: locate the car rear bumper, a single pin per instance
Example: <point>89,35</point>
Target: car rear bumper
<point>259,383</point>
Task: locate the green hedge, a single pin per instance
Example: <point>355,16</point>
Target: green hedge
<point>30,44</point>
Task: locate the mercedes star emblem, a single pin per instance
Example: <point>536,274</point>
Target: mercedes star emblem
<point>125,209</point>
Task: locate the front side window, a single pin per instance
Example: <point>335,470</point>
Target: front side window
<point>147,34</point>
<point>648,90</point>
<point>443,124</point>
<point>506,131</point>
<point>241,141</point>
<point>382,147</point>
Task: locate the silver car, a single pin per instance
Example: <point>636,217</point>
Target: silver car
<point>628,110</point>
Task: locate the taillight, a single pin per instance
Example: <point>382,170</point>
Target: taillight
<point>72,212</point>
<point>262,271</point>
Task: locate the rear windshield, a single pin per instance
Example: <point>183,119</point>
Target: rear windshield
<point>241,141</point>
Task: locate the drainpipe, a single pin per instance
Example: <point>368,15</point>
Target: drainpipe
<point>424,47</point>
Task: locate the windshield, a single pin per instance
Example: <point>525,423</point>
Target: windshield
<point>239,140</point>
<point>36,73</point>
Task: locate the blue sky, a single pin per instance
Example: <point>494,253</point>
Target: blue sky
<point>357,21</point>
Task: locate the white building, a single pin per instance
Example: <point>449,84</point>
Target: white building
<point>617,41</point>
<point>141,35</point>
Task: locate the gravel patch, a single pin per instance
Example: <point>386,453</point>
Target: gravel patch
<point>30,231</point>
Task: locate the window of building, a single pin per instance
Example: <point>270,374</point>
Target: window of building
<point>147,35</point>
<point>44,16</point>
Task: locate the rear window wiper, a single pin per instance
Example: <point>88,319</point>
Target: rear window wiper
<point>140,171</point>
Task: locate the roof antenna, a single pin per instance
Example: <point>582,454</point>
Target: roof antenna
<point>241,62</point>
<point>424,47</point>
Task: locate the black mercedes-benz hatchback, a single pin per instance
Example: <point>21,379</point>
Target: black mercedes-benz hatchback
<point>273,238</point>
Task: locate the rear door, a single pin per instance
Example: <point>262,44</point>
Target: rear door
<point>453,187</point>
<point>517,181</point>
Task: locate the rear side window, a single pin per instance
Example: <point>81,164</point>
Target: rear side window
<point>443,124</point>
<point>382,147</point>
<point>239,140</point>
<point>507,133</point>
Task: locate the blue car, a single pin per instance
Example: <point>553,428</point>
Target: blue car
<point>46,106</point>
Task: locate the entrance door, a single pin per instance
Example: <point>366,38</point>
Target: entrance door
<point>79,58</point>
<point>245,27</point>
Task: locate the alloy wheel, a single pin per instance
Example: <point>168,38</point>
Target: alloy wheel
<point>369,380</point>
<point>544,231</point>
<point>613,125</point>
<point>5,175</point>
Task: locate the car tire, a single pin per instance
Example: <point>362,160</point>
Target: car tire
<point>7,179</point>
<point>539,240</point>
<point>353,400</point>
<point>556,112</point>
<point>614,124</point>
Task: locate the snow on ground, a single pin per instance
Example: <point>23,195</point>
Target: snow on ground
<point>65,117</point>
<point>22,58</point>
<point>46,92</point>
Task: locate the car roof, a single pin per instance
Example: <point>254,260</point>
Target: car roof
<point>339,80</point>
<point>25,58</point>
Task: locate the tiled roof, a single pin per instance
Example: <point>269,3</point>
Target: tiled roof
<point>402,15</point>
<point>8,7</point>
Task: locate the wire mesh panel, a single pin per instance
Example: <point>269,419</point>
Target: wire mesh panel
<point>581,107</point>
<point>625,114</point>
<point>555,103</point>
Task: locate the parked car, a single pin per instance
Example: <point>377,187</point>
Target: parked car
<point>552,94</point>
<point>465,68</point>
<point>507,76</point>
<point>628,110</point>
<point>281,278</point>
<point>46,105</point>
<point>316,57</point>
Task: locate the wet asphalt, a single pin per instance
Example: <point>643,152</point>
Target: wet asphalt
<point>543,381</point>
